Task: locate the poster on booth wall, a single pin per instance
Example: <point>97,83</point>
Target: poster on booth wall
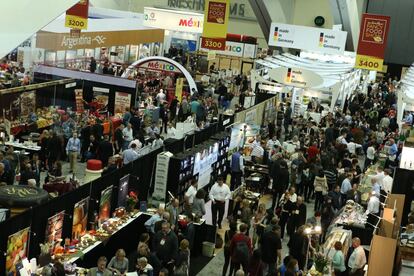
<point>27,102</point>
<point>17,248</point>
<point>79,100</point>
<point>122,101</point>
<point>101,98</point>
<point>54,230</point>
<point>123,191</point>
<point>80,218</point>
<point>105,204</point>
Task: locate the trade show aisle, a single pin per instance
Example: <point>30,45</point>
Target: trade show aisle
<point>215,266</point>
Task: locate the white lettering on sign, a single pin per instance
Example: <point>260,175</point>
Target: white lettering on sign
<point>70,42</point>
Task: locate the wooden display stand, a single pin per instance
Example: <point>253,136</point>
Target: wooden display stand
<point>388,227</point>
<point>397,201</point>
<point>381,257</point>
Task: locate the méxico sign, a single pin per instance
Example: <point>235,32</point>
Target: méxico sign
<point>307,38</point>
<point>173,20</point>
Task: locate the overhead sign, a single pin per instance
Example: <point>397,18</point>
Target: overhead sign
<point>296,77</point>
<point>90,40</point>
<point>307,38</point>
<point>159,65</point>
<point>236,49</point>
<point>77,16</point>
<point>173,20</point>
<point>216,18</point>
<point>372,41</point>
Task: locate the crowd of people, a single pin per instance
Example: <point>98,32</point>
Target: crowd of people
<point>13,74</point>
<point>326,167</point>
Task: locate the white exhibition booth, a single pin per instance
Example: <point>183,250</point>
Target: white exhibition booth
<point>326,77</point>
<point>406,95</point>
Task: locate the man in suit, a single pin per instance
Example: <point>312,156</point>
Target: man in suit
<point>354,194</point>
<point>336,197</point>
<point>297,216</point>
<point>100,269</point>
<point>105,150</point>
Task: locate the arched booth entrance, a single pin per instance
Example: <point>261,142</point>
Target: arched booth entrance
<point>161,68</point>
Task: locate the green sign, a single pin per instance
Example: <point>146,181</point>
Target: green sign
<point>319,21</point>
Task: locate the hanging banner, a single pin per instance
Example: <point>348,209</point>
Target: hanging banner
<point>79,100</point>
<point>372,41</point>
<point>179,88</point>
<point>77,16</point>
<point>307,38</point>
<point>216,17</point>
<point>122,101</point>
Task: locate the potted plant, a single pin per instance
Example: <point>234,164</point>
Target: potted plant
<point>321,263</point>
<point>132,200</point>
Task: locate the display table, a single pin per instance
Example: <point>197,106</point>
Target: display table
<point>23,146</point>
<point>131,229</point>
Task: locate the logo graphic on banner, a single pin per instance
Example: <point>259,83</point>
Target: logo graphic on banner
<point>372,41</point>
<point>307,38</point>
<point>289,75</point>
<point>77,16</point>
<point>296,77</point>
<point>276,33</point>
<point>216,17</point>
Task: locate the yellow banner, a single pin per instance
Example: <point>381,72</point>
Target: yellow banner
<point>179,88</point>
<point>369,63</point>
<point>76,22</point>
<point>216,18</point>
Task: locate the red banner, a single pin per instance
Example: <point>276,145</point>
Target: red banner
<point>213,43</point>
<point>77,16</point>
<point>372,41</point>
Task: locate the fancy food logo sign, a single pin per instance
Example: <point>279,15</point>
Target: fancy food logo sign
<point>70,42</point>
<point>374,30</point>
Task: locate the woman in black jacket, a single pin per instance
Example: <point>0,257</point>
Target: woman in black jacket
<point>227,239</point>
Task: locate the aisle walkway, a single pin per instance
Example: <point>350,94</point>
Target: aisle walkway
<point>215,266</point>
